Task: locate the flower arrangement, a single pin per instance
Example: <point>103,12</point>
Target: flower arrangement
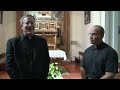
<point>54,71</point>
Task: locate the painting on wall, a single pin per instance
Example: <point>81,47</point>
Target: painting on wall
<point>87,17</point>
<point>1,17</point>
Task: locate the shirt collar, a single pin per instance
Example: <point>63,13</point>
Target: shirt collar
<point>23,37</point>
<point>101,45</point>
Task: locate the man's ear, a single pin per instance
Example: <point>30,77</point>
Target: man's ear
<point>21,26</point>
<point>102,35</point>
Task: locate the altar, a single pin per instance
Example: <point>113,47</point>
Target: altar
<point>57,56</point>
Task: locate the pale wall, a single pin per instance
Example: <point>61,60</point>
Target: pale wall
<point>2,39</point>
<point>7,29</point>
<point>77,32</point>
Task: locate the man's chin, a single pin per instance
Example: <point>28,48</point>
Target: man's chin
<point>92,42</point>
<point>29,33</point>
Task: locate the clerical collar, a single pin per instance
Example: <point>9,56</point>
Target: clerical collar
<point>26,37</point>
<point>29,37</point>
<point>98,46</point>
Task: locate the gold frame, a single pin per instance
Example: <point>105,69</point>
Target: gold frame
<point>52,25</point>
<point>42,25</point>
<point>44,13</point>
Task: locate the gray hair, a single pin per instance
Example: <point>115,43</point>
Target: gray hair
<point>25,16</point>
<point>102,31</point>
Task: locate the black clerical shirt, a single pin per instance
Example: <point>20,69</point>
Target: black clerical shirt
<point>100,59</point>
<point>29,44</point>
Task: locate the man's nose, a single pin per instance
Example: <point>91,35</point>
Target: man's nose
<point>29,24</point>
<point>91,36</point>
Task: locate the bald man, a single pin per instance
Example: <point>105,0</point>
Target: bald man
<point>100,61</point>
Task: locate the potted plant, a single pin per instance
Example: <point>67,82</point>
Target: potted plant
<point>54,71</point>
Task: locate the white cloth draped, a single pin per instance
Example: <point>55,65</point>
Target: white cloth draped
<point>57,54</point>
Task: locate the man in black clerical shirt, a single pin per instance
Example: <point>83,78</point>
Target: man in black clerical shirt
<point>100,61</point>
<point>27,55</point>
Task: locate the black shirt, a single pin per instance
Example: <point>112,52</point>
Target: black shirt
<point>29,44</point>
<point>100,59</point>
<point>27,58</point>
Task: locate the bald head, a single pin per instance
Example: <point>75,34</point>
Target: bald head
<point>96,34</point>
<point>100,28</point>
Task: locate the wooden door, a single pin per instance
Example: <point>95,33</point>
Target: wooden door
<point>19,14</point>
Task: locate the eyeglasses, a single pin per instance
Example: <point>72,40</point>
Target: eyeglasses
<point>92,34</point>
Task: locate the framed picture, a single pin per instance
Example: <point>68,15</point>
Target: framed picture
<point>87,16</point>
<point>1,17</point>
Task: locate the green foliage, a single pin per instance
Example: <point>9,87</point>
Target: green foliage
<point>54,71</point>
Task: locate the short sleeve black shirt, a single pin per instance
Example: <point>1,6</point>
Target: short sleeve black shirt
<point>100,59</point>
